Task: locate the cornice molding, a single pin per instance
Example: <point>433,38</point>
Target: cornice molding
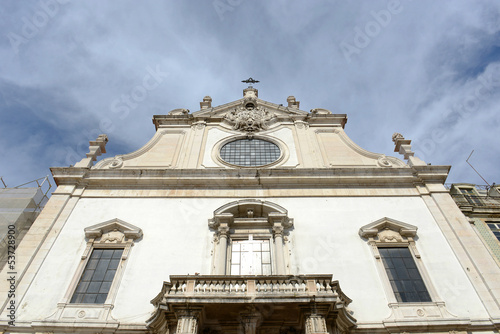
<point>250,177</point>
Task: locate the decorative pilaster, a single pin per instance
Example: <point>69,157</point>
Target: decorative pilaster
<point>316,324</point>
<point>278,221</point>
<point>188,321</point>
<point>187,324</point>
<point>250,320</point>
<point>221,224</point>
<point>315,318</point>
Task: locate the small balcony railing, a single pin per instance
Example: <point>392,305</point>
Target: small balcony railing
<point>476,200</point>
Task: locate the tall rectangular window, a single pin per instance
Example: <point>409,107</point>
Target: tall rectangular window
<point>495,228</point>
<point>403,274</point>
<point>97,277</point>
<point>250,257</point>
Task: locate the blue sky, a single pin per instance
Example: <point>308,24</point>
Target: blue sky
<point>72,70</point>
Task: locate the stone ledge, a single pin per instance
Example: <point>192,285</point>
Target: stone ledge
<point>250,177</point>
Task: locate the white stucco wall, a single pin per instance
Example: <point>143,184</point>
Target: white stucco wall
<point>286,136</point>
<point>214,135</point>
<point>177,241</point>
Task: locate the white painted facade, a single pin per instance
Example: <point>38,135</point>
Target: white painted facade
<point>176,204</point>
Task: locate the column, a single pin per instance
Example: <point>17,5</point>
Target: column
<point>278,222</point>
<point>220,224</point>
<point>279,249</point>
<point>221,253</point>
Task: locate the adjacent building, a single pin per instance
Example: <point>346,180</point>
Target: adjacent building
<point>481,204</point>
<point>251,217</point>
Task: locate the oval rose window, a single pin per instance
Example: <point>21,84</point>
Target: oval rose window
<point>250,152</point>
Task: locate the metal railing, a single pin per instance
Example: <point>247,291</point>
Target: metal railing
<point>476,200</point>
<point>477,186</point>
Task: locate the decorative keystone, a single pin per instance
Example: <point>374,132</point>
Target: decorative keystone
<point>96,148</point>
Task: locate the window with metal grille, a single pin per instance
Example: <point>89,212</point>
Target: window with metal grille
<point>97,277</point>
<point>250,152</point>
<point>403,274</point>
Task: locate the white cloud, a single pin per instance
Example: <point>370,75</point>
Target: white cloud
<point>408,78</point>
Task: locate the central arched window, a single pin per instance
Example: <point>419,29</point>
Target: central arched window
<point>250,238</point>
<point>250,152</point>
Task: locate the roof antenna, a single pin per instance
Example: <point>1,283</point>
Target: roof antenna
<point>475,169</point>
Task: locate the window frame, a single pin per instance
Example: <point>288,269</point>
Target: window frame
<point>113,282</point>
<point>246,236</point>
<point>472,197</point>
<point>489,221</point>
<point>271,223</point>
<point>284,154</point>
<point>112,234</point>
<point>379,247</point>
<point>271,145</point>
<point>387,233</point>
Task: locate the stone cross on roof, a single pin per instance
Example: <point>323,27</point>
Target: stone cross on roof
<point>250,81</point>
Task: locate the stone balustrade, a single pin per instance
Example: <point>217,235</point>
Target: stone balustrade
<point>190,303</point>
<point>254,286</point>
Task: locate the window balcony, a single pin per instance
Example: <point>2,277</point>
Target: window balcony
<point>224,303</point>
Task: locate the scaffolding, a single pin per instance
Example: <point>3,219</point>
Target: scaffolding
<point>19,207</point>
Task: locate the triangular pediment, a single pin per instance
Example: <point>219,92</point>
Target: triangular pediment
<point>129,231</point>
<point>250,114</point>
<point>372,229</point>
<point>222,110</point>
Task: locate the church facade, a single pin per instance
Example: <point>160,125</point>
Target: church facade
<point>251,217</point>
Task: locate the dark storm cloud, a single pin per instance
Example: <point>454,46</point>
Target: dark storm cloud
<point>71,70</point>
